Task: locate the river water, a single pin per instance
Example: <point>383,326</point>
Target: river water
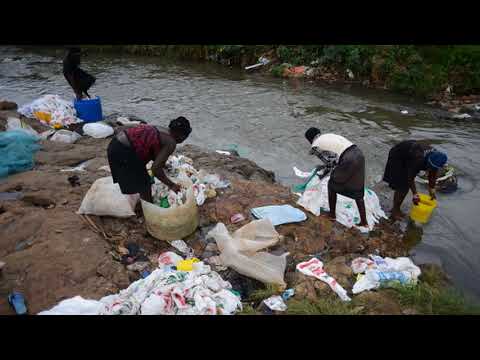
<point>267,117</point>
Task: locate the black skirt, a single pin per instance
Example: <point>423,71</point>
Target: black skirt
<point>348,177</point>
<point>405,161</point>
<point>127,169</point>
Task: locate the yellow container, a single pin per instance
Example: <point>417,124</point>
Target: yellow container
<point>421,213</point>
<point>186,265</point>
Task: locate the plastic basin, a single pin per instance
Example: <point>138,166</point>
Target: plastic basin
<point>422,212</point>
<point>89,110</point>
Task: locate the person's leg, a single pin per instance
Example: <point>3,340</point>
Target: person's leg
<point>147,195</point>
<point>332,203</point>
<point>362,211</point>
<point>398,198</point>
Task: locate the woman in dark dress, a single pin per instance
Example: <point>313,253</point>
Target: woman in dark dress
<point>79,80</point>
<point>405,161</point>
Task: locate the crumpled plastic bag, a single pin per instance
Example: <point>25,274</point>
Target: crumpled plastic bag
<point>380,271</point>
<point>104,198</point>
<point>239,251</point>
<point>98,130</point>
<point>65,136</point>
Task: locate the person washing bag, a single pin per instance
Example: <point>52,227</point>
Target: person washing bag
<point>348,175</point>
<point>405,161</point>
<point>132,148</point>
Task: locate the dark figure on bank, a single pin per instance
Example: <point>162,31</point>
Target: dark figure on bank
<point>348,175</point>
<point>405,161</point>
<point>79,80</point>
<point>132,148</point>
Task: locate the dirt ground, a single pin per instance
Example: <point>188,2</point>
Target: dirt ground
<point>51,253</point>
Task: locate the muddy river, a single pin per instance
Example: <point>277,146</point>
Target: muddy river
<point>267,117</point>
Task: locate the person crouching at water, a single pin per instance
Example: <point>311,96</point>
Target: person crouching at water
<point>348,175</point>
<point>79,80</point>
<point>405,161</point>
<point>131,149</point>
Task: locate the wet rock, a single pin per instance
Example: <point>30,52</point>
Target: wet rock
<point>378,303</point>
<point>8,105</point>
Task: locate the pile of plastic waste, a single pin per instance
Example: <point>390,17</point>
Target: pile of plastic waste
<point>376,271</point>
<point>315,198</point>
<point>180,168</point>
<point>166,291</point>
<point>51,110</point>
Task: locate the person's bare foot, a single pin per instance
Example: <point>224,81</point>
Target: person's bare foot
<point>397,215</point>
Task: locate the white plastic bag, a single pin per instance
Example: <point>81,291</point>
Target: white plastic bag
<point>104,198</point>
<point>65,136</point>
<point>97,130</point>
<point>76,306</point>
<point>275,303</point>
<point>51,110</point>
<point>239,251</point>
<point>16,124</point>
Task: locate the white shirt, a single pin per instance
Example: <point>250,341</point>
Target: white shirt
<point>331,142</point>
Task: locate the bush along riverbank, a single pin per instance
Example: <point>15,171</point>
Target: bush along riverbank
<point>448,76</point>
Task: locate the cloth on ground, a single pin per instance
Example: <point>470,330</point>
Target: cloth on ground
<point>315,198</point>
<point>279,214</point>
<point>17,148</point>
<point>163,292</point>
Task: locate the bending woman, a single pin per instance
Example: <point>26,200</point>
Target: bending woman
<point>131,149</point>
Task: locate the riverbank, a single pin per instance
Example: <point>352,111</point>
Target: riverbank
<point>446,76</point>
<point>52,254</point>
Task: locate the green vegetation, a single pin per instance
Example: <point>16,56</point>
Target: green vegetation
<point>422,70</point>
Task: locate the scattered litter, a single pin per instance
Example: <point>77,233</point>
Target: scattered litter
<point>404,112</point>
<point>236,218</point>
<point>51,110</point>
<point>17,148</point>
<point>65,136</point>
<point>17,302</point>
<point>104,198</point>
<point>138,266</point>
<point>261,62</point>
<point>275,303</point>
<point>98,130</point>
<point>315,198</point>
<point>239,251</point>
<point>182,246</point>
<point>145,273</point>
<point>80,168</point>
<point>186,265</point>
<point>165,291</point>
<point>17,124</point>
<point>287,294</point>
<point>462,116</point>
<point>47,134</point>
<point>314,267</point>
<point>350,74</point>
<point>223,152</point>
<point>380,271</point>
<point>124,121</point>
<point>279,214</point>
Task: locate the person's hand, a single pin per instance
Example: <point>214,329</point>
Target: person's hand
<point>175,188</point>
<point>416,199</point>
<point>433,196</point>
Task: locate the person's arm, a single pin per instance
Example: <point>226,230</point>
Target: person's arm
<point>432,181</point>
<point>159,164</point>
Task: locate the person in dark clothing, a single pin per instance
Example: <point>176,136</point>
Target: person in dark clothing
<point>79,80</point>
<point>405,161</point>
<point>348,175</point>
<point>132,148</point>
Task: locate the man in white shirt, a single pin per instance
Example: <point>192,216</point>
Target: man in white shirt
<point>348,175</point>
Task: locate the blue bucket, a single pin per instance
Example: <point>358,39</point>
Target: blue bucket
<point>89,110</point>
